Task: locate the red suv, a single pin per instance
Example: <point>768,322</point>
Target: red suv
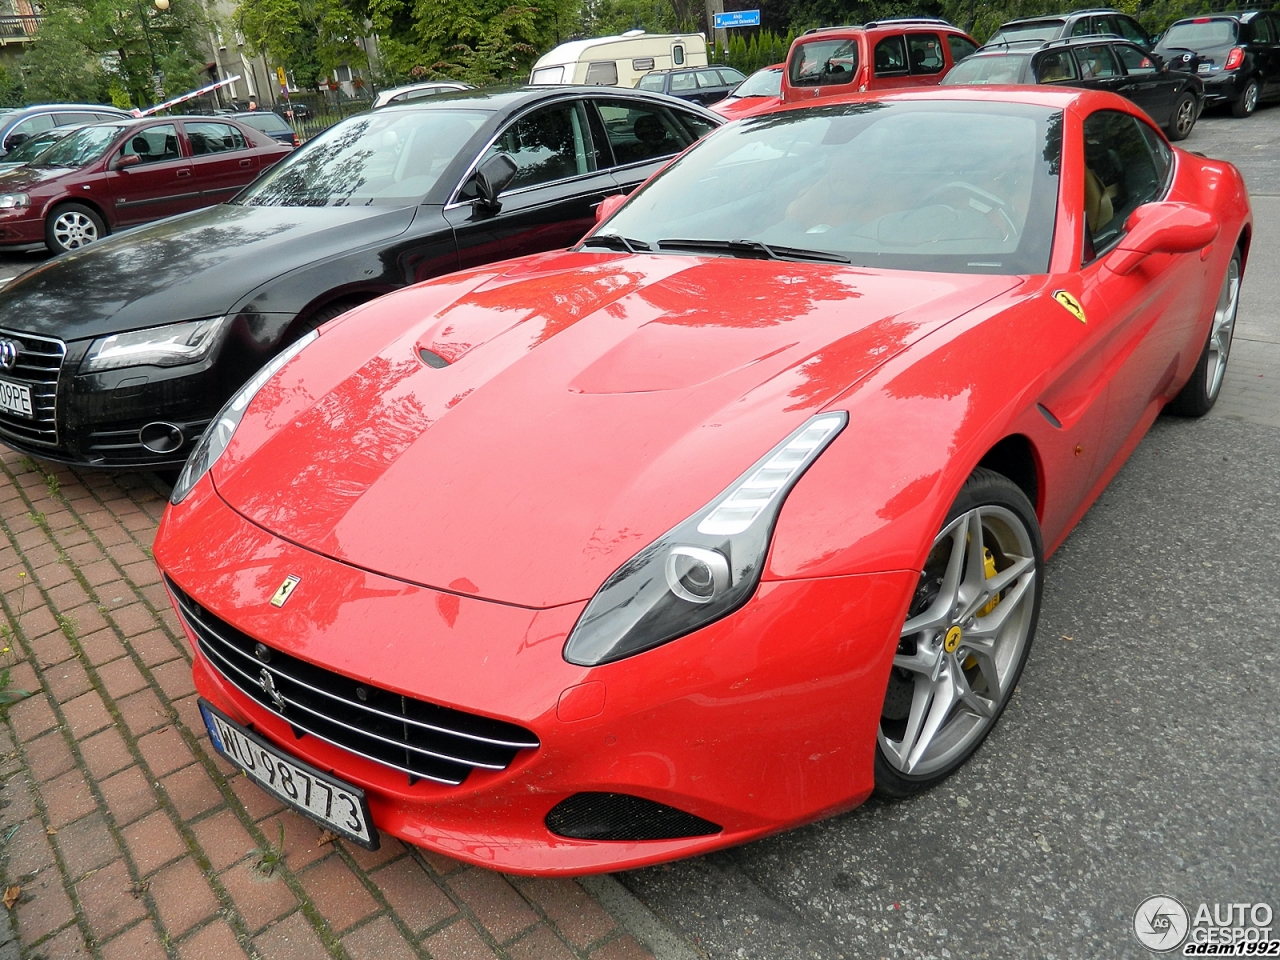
<point>876,56</point>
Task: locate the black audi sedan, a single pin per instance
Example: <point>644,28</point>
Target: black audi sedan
<point>1172,98</point>
<point>120,354</point>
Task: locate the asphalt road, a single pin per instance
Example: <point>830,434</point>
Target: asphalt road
<point>1139,753</point>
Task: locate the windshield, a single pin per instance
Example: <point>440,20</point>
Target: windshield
<point>822,62</point>
<point>991,69</point>
<point>390,157</point>
<point>1039,30</point>
<point>1200,34</point>
<point>34,147</point>
<point>762,83</point>
<point>929,185</point>
<point>83,146</point>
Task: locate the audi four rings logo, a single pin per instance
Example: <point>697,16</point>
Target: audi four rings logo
<point>8,354</point>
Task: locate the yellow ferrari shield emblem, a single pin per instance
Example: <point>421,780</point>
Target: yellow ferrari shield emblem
<point>1070,304</point>
<point>285,591</point>
<point>952,639</point>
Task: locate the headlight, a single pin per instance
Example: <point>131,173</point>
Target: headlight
<point>220,431</point>
<point>706,567</point>
<point>168,346</point>
<point>12,201</point>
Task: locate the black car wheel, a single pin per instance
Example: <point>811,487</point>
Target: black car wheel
<point>1183,118</point>
<point>1247,102</point>
<point>72,226</point>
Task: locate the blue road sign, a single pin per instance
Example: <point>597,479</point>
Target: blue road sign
<point>738,18</point>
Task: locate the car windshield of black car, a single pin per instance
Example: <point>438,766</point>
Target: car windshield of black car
<point>851,181</point>
<point>391,157</point>
<point>82,147</point>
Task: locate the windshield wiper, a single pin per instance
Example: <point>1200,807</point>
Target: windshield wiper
<point>615,242</point>
<point>752,248</point>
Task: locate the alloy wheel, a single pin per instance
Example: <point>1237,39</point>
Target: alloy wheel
<point>1251,98</point>
<point>960,650</point>
<point>73,230</point>
<point>1186,118</point>
<point>1224,325</point>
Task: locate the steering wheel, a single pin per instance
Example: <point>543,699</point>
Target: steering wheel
<point>987,203</point>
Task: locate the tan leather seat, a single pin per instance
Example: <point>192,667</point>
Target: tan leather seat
<point>1098,209</point>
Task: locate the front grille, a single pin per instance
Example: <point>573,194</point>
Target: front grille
<point>620,816</point>
<point>39,364</point>
<point>424,740</point>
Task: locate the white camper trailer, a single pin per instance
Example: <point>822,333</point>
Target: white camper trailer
<point>619,61</point>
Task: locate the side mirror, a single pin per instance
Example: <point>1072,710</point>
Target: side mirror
<point>491,178</point>
<point>129,160</point>
<point>15,141</point>
<point>1162,228</point>
<point>606,207</point>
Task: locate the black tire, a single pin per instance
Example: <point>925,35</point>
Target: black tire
<point>322,316</point>
<point>70,226</point>
<point>1201,392</point>
<point>984,489</point>
<point>1247,102</point>
<point>1183,118</point>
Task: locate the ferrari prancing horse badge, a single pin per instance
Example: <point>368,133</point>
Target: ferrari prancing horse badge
<point>1071,304</point>
<point>285,591</point>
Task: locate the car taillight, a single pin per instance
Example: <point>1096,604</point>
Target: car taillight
<point>1234,58</point>
<point>296,141</point>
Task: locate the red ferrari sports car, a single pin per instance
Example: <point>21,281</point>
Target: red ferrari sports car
<point>723,519</point>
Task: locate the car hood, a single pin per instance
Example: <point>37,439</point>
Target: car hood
<point>590,402</point>
<point>26,179</point>
<point>199,264</point>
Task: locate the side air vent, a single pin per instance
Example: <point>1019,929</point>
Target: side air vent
<point>617,816</point>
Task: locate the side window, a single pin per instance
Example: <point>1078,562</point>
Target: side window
<point>28,128</point>
<point>960,47</point>
<point>696,126</point>
<point>547,145</point>
<point>822,62</point>
<point>62,118</point>
<point>1096,62</point>
<point>639,132</point>
<point>730,76</point>
<point>924,53</point>
<point>677,55</point>
<point>1106,26</point>
<point>683,82</point>
<point>1262,32</point>
<point>207,137</point>
<point>602,74</point>
<point>1134,60</point>
<point>1055,66</point>
<point>1082,28</point>
<point>651,81</point>
<point>154,144</point>
<point>1121,174</point>
<point>890,57</point>
<point>1132,32</point>
<point>709,78</point>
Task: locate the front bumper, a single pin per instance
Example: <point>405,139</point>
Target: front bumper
<point>760,722</point>
<point>22,227</point>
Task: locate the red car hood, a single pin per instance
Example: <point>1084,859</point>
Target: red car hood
<point>589,404</point>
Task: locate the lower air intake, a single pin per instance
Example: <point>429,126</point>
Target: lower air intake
<point>617,816</point>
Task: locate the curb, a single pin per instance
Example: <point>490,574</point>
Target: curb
<point>641,922</point>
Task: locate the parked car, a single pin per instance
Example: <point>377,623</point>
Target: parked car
<point>705,85</point>
<point>1172,98</point>
<point>112,175</point>
<point>272,124</point>
<point>35,145</point>
<point>759,92</point>
<point>619,61</point>
<point>878,56</point>
<point>1237,55</point>
<point>292,109</point>
<point>128,348</point>
<point>1098,22</point>
<point>416,91</point>
<point>21,123</point>
<point>726,519</point>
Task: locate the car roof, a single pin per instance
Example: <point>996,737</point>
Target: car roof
<point>499,99</point>
<point>1067,15</point>
<point>1241,16</point>
<point>1027,47</point>
<point>686,69</point>
<point>80,107</point>
<point>883,25</point>
<point>1054,97</point>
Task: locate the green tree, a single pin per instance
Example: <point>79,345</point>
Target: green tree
<point>307,37</point>
<point>85,47</point>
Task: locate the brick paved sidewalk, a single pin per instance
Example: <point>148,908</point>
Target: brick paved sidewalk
<point>131,839</point>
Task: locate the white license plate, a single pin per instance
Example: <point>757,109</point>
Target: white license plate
<point>1205,68</point>
<point>333,804</point>
<point>16,398</point>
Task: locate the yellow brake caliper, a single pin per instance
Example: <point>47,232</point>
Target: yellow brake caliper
<point>988,568</point>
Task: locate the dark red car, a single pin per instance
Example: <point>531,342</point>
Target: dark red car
<point>113,175</point>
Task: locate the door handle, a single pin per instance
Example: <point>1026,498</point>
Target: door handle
<point>246,163</point>
<point>184,173</point>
